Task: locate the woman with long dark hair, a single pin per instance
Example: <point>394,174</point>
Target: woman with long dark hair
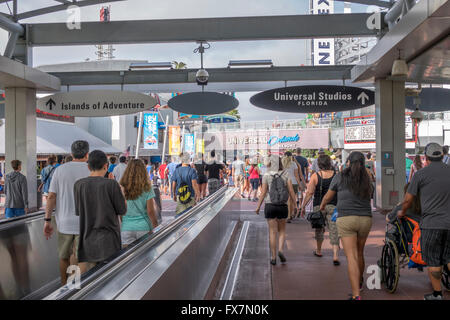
<point>318,186</point>
<point>416,166</point>
<point>354,190</point>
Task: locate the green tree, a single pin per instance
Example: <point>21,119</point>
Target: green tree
<point>235,113</point>
<point>179,65</point>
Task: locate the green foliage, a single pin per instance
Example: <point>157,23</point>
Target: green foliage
<point>179,65</point>
<point>235,113</point>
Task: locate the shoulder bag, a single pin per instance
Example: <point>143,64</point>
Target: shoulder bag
<point>316,218</point>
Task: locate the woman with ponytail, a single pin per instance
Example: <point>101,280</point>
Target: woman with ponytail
<point>354,189</point>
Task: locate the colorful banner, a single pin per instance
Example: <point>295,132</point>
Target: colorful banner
<point>174,140</point>
<point>150,131</point>
<point>200,146</point>
<point>189,143</point>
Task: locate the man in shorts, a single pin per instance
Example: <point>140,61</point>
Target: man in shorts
<point>432,184</point>
<point>61,197</point>
<point>238,174</point>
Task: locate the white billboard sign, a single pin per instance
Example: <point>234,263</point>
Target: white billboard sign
<point>96,103</point>
<point>323,49</point>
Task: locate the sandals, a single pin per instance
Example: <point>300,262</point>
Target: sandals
<point>282,257</point>
<point>336,262</point>
<point>317,255</point>
<point>273,261</point>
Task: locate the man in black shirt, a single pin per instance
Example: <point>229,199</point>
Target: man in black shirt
<point>214,170</point>
<point>99,202</point>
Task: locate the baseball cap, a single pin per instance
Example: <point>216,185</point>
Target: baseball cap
<point>433,150</point>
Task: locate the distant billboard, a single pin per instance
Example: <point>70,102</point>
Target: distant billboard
<point>360,132</point>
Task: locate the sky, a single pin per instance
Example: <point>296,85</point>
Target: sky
<point>282,53</point>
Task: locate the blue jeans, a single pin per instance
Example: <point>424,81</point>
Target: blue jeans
<point>14,212</point>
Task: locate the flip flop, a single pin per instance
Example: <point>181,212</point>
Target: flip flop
<point>317,255</point>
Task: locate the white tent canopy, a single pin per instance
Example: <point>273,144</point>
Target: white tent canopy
<point>57,137</point>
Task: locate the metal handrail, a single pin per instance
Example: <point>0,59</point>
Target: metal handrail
<point>102,273</point>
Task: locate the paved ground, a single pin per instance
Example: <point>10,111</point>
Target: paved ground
<point>306,276</point>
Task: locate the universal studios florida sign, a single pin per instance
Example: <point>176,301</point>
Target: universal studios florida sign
<point>314,99</point>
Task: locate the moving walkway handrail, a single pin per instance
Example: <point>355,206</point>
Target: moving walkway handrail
<point>12,221</point>
<point>102,273</point>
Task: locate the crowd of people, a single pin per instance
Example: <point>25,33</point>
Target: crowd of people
<point>102,205</point>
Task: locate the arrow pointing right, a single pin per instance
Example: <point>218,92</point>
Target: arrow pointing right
<point>363,97</point>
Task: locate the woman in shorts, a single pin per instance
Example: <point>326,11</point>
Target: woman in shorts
<point>354,189</point>
<point>140,218</point>
<point>275,214</point>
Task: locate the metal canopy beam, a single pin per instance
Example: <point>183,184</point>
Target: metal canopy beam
<point>60,7</point>
<point>379,3</point>
<point>216,75</point>
<point>209,29</point>
<point>421,29</point>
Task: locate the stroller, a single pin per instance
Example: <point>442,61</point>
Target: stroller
<point>398,252</point>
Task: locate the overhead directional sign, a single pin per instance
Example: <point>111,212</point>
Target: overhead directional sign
<point>314,99</point>
<point>431,100</point>
<point>203,103</point>
<point>96,103</point>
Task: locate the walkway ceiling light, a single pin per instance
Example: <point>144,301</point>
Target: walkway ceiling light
<point>249,63</point>
<point>150,65</point>
<point>399,67</point>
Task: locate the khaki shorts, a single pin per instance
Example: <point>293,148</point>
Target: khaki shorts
<point>239,180</point>
<point>67,244</point>
<point>351,226</point>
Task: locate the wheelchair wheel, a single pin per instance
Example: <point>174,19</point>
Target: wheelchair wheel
<point>390,266</point>
<point>446,278</point>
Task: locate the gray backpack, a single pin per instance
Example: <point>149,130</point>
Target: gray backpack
<point>278,190</point>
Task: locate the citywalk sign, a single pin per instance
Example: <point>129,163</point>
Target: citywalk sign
<point>314,99</point>
<point>96,103</point>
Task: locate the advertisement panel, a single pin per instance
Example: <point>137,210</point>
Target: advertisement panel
<point>150,131</point>
<point>200,146</point>
<point>360,132</point>
<point>174,140</point>
<point>274,139</point>
<point>189,143</point>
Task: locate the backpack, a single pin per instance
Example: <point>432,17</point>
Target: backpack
<point>184,193</point>
<point>278,192</point>
<point>416,249</point>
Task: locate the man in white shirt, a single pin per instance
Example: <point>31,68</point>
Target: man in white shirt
<point>238,174</point>
<point>120,168</point>
<point>61,198</point>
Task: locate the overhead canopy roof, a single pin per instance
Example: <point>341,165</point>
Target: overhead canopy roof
<point>57,137</point>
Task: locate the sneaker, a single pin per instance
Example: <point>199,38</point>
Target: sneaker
<point>355,298</point>
<point>431,296</point>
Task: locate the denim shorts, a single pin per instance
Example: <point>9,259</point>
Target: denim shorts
<point>14,212</point>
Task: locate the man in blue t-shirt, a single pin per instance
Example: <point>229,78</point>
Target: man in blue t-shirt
<point>185,174</point>
<point>170,169</point>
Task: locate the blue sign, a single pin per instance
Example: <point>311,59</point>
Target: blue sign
<point>189,143</point>
<point>273,140</point>
<point>150,130</point>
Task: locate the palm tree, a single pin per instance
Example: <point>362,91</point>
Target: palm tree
<point>235,113</point>
<point>179,65</point>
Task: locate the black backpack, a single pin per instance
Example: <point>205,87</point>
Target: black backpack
<point>184,193</point>
<point>278,191</point>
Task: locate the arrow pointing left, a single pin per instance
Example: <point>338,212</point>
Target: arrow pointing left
<point>50,103</point>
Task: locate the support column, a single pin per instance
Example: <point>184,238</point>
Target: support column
<point>20,134</point>
<point>390,129</point>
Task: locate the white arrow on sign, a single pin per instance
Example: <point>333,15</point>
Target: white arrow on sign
<point>363,97</point>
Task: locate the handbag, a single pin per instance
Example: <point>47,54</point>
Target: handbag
<point>316,218</point>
